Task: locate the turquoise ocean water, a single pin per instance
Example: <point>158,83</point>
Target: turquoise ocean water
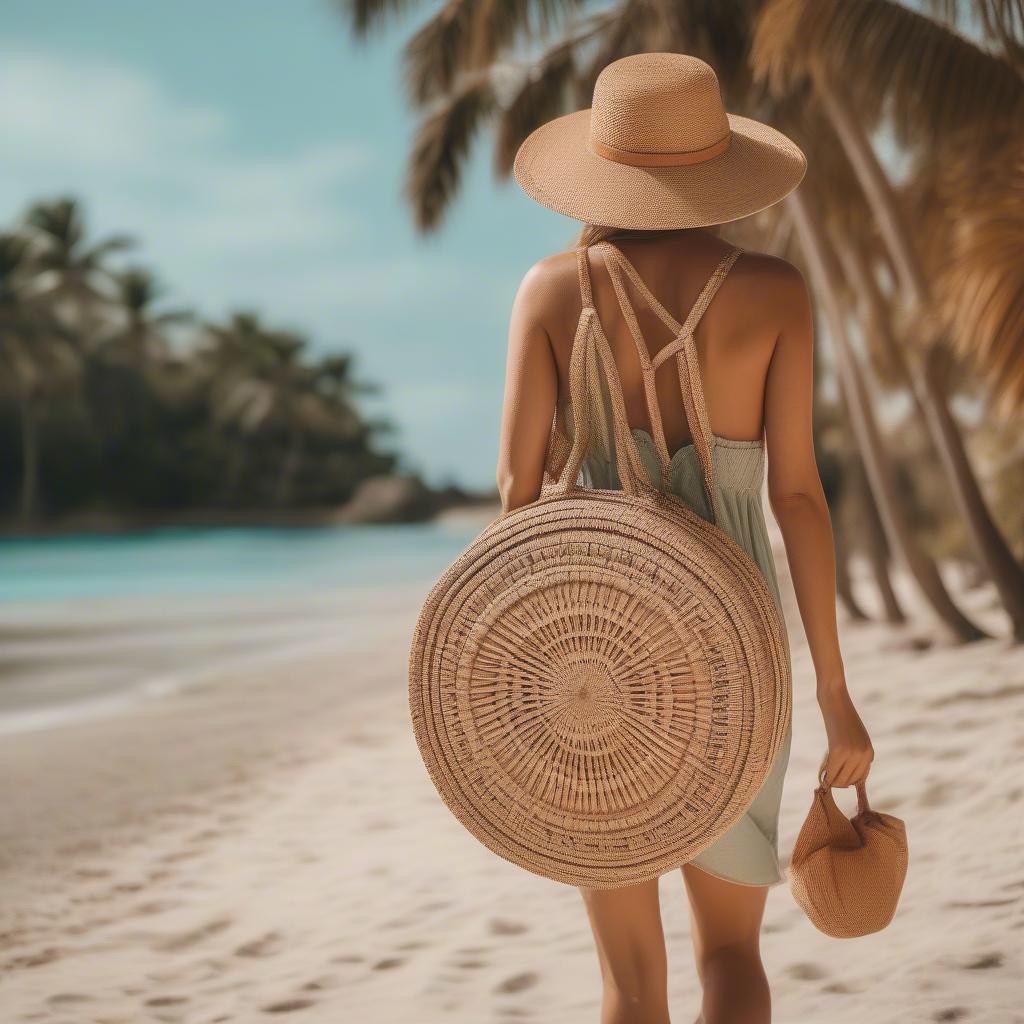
<point>183,561</point>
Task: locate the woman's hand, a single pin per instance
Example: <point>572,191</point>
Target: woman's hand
<point>849,747</point>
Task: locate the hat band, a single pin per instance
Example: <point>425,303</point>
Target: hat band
<point>693,156</point>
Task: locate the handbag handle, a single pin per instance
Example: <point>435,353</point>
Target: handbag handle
<point>591,357</point>
<point>862,792</point>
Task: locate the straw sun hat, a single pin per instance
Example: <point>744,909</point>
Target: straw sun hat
<point>657,150</point>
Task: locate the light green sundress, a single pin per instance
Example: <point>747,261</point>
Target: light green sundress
<point>748,852</point>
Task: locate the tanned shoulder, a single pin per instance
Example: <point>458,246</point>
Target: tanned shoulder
<point>549,293</point>
<point>776,291</point>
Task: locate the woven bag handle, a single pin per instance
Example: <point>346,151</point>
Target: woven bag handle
<point>591,353</point>
<point>862,792</point>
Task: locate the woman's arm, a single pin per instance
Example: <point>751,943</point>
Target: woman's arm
<point>798,502</point>
<point>531,390</point>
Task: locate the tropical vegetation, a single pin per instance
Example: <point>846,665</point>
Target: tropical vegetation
<point>114,405</point>
<point>909,227</point>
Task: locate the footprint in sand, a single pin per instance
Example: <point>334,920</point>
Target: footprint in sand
<point>63,998</point>
<point>500,926</point>
<point>173,943</point>
<point>44,956</point>
<point>806,972</point>
<point>936,795</point>
<point>166,1000</point>
<point>389,963</point>
<point>154,907</point>
<point>127,887</point>
<point>87,926</point>
<point>92,873</point>
<point>319,984</point>
<point>951,1013</point>
<point>179,855</point>
<point>289,1006</point>
<point>267,945</point>
<point>347,958</point>
<point>433,905</point>
<point>205,836</point>
<point>985,962</point>
<point>517,983</point>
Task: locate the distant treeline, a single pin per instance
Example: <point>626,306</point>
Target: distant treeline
<point>111,403</point>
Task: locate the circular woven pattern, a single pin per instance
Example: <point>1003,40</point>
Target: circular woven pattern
<point>599,686</point>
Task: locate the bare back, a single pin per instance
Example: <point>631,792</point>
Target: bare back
<point>753,344</point>
<point>734,345</point>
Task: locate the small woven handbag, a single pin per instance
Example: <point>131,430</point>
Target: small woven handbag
<point>600,683</point>
<point>847,873</point>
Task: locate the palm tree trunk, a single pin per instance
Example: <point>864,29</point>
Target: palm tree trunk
<point>919,566</point>
<point>865,284</point>
<point>236,466</point>
<point>289,467</point>
<point>844,585</point>
<point>876,548</point>
<point>29,459</point>
<point>990,545</point>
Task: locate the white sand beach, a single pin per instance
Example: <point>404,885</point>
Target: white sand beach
<point>265,844</point>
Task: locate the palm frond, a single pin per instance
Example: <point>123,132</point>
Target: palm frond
<point>366,15</point>
<point>933,82</point>
<point>1001,23</point>
<point>541,96</point>
<point>468,35</point>
<point>13,265</point>
<point>980,284</point>
<point>438,51</point>
<point>441,147</point>
<point>627,27</point>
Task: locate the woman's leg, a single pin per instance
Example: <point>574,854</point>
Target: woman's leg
<point>631,948</point>
<point>726,925</point>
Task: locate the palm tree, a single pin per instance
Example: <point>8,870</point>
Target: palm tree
<point>935,85</point>
<point>142,334</point>
<point>262,384</point>
<point>72,273</point>
<point>333,378</point>
<point>38,357</point>
<point>919,566</point>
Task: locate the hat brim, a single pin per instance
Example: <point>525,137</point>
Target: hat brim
<point>556,167</point>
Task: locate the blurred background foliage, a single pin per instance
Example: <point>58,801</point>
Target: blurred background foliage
<point>112,404</point>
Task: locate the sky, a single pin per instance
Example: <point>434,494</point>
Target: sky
<point>256,152</point>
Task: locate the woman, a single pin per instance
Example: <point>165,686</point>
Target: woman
<point>652,166</point>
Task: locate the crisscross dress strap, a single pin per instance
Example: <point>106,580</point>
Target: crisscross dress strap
<point>681,347</point>
<point>560,451</point>
<point>591,360</point>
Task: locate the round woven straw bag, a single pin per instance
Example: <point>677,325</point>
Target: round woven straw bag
<point>600,683</point>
